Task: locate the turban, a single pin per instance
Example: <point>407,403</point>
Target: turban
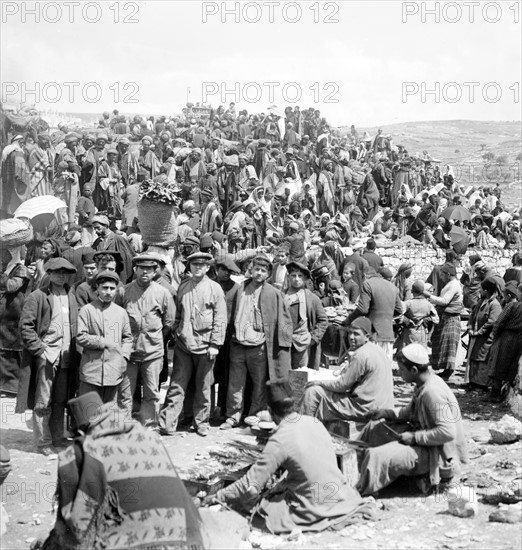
<point>146,138</point>
<point>101,219</point>
<point>232,160</point>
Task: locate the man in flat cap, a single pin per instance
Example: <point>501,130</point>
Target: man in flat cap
<point>151,311</point>
<point>308,316</point>
<point>365,382</point>
<point>427,438</point>
<point>303,448</point>
<point>48,329</point>
<point>105,336</point>
<point>260,331</point>
<point>199,331</point>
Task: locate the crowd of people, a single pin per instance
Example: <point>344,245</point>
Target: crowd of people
<point>271,219</point>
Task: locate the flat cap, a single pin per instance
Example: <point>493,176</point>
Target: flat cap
<point>191,240</point>
<point>228,263</point>
<point>200,256</point>
<point>262,259</point>
<point>88,258</point>
<point>107,275</point>
<point>146,259</point>
<point>54,264</point>
<point>297,265</point>
<point>206,241</point>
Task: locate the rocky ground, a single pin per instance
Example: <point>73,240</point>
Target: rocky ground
<point>407,520</point>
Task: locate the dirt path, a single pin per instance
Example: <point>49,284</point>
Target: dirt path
<point>407,521</point>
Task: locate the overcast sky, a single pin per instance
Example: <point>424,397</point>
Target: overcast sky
<point>369,68</point>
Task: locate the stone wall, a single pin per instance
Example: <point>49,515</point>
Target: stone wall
<point>423,258</point>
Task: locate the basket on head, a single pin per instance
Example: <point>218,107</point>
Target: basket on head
<point>157,223</point>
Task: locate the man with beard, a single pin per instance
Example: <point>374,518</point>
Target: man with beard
<point>147,159</point>
<point>194,168</point>
<point>214,154</point>
<point>227,182</point>
<point>81,151</point>
<point>69,154</point>
<point>91,165</point>
<point>109,187</point>
<point>127,162</point>
<point>108,240</point>
<point>16,185</point>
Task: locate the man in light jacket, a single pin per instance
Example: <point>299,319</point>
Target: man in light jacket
<point>105,335</point>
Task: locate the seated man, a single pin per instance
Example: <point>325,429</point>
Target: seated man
<point>314,494</point>
<point>365,382</point>
<point>117,487</point>
<point>433,442</point>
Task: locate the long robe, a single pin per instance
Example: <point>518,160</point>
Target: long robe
<point>434,416</point>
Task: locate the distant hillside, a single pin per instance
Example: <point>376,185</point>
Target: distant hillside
<point>463,144</point>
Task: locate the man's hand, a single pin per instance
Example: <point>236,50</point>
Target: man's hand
<point>378,414</point>
<point>212,352</point>
<point>210,500</point>
<point>407,438</point>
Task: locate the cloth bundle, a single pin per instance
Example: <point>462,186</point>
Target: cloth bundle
<point>15,232</point>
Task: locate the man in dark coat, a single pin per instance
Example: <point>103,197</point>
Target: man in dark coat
<point>260,332</point>
<point>379,301</point>
<point>308,316</point>
<point>373,259</point>
<point>48,329</point>
<point>108,240</point>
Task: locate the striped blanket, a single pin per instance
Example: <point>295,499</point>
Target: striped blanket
<point>118,489</point>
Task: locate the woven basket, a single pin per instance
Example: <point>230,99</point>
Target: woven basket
<point>157,223</point>
<point>15,232</point>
